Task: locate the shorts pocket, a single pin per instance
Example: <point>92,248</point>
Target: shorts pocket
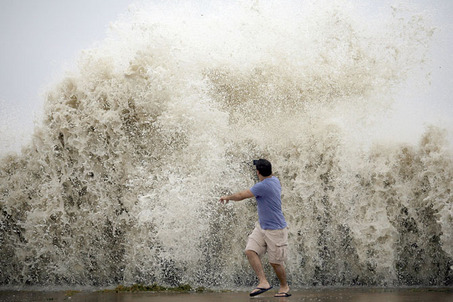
<point>282,252</point>
<point>278,245</point>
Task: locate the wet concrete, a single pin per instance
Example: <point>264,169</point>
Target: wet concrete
<point>314,295</point>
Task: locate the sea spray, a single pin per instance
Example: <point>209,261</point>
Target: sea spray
<point>121,182</point>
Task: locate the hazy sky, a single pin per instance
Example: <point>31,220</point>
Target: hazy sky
<point>42,38</point>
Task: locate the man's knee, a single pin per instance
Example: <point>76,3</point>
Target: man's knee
<point>250,253</point>
<point>277,265</point>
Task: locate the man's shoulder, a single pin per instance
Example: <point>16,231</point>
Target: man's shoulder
<point>274,179</point>
<point>270,182</point>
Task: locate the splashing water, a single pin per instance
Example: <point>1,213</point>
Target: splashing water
<point>121,181</point>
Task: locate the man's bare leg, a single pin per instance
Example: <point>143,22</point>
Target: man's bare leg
<point>255,262</point>
<point>281,275</point>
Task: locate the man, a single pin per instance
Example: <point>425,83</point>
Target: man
<point>271,232</point>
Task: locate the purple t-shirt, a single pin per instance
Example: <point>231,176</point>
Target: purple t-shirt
<point>268,197</point>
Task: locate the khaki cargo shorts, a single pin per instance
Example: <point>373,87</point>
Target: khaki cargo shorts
<point>275,242</point>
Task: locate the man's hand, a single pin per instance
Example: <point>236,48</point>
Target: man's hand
<point>224,199</point>
<point>237,196</point>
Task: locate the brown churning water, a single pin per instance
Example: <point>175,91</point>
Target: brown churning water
<point>121,181</point>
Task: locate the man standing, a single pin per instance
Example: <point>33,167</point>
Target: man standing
<point>271,232</point>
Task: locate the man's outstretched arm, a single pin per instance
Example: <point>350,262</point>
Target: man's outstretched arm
<point>237,196</point>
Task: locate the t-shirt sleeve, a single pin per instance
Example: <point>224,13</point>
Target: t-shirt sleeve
<point>256,189</point>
